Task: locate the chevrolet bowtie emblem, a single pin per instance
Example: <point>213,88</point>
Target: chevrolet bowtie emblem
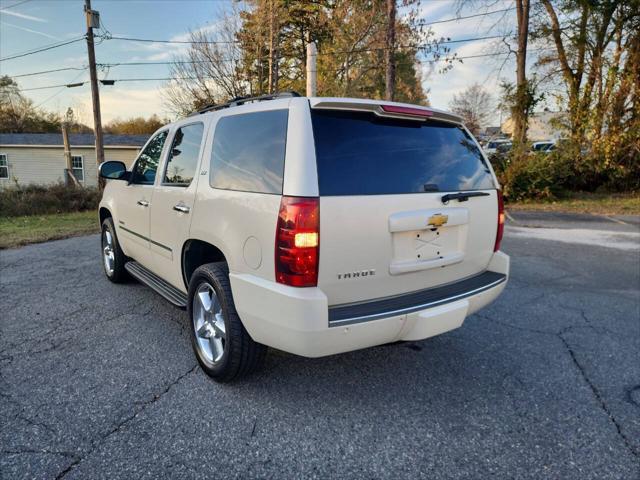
<point>437,220</point>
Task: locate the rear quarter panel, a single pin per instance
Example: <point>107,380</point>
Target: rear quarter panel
<point>241,224</point>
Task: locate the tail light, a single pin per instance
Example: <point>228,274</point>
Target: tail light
<point>500,231</point>
<point>298,242</point>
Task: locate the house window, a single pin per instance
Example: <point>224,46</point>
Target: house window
<point>4,166</point>
<point>77,166</point>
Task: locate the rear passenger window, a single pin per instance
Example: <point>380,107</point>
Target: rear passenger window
<point>183,156</point>
<point>248,152</point>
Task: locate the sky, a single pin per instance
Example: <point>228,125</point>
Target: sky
<point>26,25</point>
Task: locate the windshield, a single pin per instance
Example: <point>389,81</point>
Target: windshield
<point>359,153</point>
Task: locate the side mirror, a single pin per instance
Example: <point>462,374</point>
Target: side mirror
<point>113,170</point>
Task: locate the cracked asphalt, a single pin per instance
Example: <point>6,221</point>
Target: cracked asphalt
<point>98,380</point>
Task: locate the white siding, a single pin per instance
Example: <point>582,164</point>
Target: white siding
<point>45,165</point>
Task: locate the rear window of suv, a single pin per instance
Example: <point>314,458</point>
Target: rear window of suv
<point>248,152</point>
<point>359,153</point>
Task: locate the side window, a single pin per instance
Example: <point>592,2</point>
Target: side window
<point>183,156</point>
<point>144,171</point>
<point>248,152</point>
<point>4,166</point>
<point>77,166</point>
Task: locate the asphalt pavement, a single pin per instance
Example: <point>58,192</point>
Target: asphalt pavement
<point>98,380</point>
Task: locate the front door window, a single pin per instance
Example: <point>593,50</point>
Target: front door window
<point>144,171</point>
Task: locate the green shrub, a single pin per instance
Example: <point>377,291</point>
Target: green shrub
<point>42,199</point>
<point>537,176</point>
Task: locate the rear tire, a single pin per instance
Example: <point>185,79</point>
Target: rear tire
<point>113,258</point>
<point>222,345</point>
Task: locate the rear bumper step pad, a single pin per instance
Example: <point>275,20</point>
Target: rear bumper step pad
<point>412,302</point>
<point>168,291</point>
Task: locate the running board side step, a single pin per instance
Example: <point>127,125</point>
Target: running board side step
<point>150,279</point>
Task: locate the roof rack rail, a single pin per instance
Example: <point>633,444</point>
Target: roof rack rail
<point>247,99</point>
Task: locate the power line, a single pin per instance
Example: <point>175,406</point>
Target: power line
<point>466,57</point>
<point>474,39</point>
<point>109,65</point>
<point>61,44</point>
<point>412,47</point>
<point>42,49</point>
<point>48,71</point>
<point>156,79</point>
<point>14,5</point>
<point>124,64</point>
<point>68,85</point>
<point>59,91</point>
<point>465,17</point>
<point>131,39</point>
<point>80,84</point>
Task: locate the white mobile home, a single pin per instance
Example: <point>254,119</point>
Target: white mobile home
<point>39,157</point>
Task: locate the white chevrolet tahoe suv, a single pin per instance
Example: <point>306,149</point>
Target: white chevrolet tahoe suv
<point>311,225</point>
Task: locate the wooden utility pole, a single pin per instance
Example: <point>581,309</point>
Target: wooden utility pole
<point>520,112</point>
<point>273,53</point>
<point>390,58</point>
<point>312,82</point>
<point>67,153</point>
<point>70,177</point>
<point>95,93</point>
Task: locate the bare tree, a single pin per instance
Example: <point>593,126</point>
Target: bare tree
<point>589,47</point>
<point>211,71</point>
<point>475,106</point>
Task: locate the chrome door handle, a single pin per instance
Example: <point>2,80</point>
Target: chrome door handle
<point>143,203</point>
<point>181,207</point>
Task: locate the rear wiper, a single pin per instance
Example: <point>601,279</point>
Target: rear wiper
<point>462,196</point>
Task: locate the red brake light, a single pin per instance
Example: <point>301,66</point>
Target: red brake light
<point>298,242</point>
<point>500,231</point>
<point>417,112</point>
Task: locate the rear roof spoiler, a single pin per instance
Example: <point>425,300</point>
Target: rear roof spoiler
<point>385,109</point>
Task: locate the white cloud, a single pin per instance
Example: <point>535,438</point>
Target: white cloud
<point>22,15</point>
<point>167,51</point>
<point>427,11</point>
<point>24,29</point>
<point>75,61</point>
<point>483,70</point>
<point>122,103</point>
<point>159,57</point>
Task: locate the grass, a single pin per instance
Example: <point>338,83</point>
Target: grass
<point>18,231</point>
<point>595,203</point>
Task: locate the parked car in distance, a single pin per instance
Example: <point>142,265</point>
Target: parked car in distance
<point>312,225</point>
<point>491,146</point>
<point>543,146</point>
<point>504,148</point>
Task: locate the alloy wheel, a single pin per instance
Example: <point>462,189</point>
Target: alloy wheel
<point>208,323</point>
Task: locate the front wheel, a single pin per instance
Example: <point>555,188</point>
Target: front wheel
<point>113,258</point>
<point>222,345</point>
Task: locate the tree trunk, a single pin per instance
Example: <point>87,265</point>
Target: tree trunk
<point>273,48</point>
<point>390,83</point>
<point>521,109</point>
